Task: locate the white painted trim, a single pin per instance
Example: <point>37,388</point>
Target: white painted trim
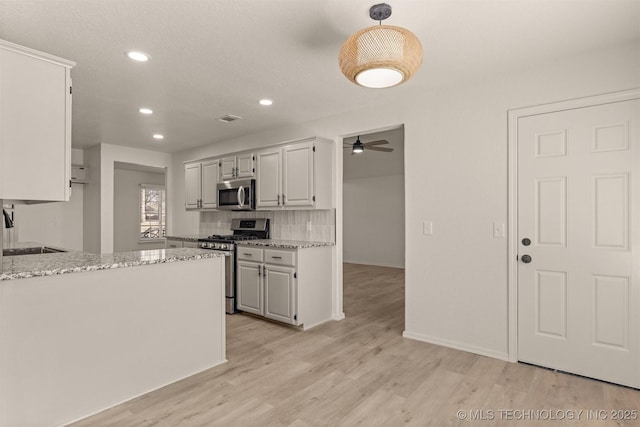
<point>512,202</point>
<point>376,264</point>
<point>6,45</point>
<point>456,345</point>
<point>338,285</point>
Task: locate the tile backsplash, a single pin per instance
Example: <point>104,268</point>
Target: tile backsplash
<point>285,225</point>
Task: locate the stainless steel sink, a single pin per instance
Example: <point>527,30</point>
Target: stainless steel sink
<point>31,251</point>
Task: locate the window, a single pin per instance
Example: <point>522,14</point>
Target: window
<point>152,212</point>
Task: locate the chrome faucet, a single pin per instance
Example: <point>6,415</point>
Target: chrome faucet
<point>8,221</point>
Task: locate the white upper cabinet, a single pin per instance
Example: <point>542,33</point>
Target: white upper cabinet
<point>297,175</point>
<point>239,166</point>
<point>192,185</point>
<point>210,174</point>
<point>200,181</point>
<point>227,168</point>
<point>35,125</point>
<point>268,178</point>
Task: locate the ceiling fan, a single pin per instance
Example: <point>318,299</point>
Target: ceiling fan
<point>358,147</point>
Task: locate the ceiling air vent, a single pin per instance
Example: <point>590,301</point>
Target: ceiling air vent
<point>229,118</point>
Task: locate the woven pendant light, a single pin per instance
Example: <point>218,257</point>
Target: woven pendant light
<point>380,56</point>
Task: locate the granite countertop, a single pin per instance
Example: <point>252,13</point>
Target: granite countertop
<point>287,244</point>
<point>188,237</point>
<point>25,266</point>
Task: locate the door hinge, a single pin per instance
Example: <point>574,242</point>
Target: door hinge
<point>295,317</point>
<point>253,158</point>
<point>254,170</point>
<point>70,90</point>
<point>314,148</point>
<point>295,275</point>
<point>313,198</point>
<point>69,183</point>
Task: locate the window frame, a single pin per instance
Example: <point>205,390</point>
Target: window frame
<point>162,214</point>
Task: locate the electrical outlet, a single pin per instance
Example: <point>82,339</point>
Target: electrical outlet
<point>498,230</point>
<point>427,228</point>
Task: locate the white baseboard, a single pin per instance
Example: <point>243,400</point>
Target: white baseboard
<point>376,264</point>
<point>457,345</point>
<point>340,316</point>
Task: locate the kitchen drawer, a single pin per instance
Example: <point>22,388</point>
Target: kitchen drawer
<point>279,257</point>
<point>249,254</point>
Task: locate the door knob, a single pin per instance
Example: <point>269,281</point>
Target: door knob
<point>526,259</point>
<point>526,242</point>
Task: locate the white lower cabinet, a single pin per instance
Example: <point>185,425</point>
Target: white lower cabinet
<point>280,294</point>
<point>288,285</point>
<point>250,287</point>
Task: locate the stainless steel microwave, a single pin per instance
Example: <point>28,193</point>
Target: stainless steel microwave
<point>237,195</point>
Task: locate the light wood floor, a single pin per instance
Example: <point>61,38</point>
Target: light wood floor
<point>360,371</point>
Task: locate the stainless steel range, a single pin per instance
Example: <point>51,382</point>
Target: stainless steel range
<point>243,229</point>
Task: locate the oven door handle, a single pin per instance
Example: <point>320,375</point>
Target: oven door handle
<point>241,196</point>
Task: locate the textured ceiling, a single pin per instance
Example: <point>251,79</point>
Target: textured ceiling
<point>218,57</point>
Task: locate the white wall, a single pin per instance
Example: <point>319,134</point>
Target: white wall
<point>456,176</point>
<point>126,205</point>
<point>374,221</point>
<point>58,223</point>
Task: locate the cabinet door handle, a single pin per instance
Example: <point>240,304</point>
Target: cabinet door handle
<point>278,200</point>
<point>259,271</point>
<point>264,270</point>
<point>283,199</point>
<point>276,257</point>
<point>247,254</point>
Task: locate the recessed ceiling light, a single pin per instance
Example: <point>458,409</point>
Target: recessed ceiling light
<point>136,55</point>
<point>158,136</point>
<point>146,110</point>
<point>266,102</point>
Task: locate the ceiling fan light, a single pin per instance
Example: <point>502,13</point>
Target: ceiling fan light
<point>393,52</point>
<point>357,147</point>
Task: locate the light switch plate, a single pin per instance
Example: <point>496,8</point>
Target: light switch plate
<point>498,230</point>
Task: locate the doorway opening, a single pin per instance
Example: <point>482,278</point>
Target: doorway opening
<point>139,201</point>
<point>373,211</point>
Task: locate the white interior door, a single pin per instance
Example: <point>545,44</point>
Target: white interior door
<point>578,289</point>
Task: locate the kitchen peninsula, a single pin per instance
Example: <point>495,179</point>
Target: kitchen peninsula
<point>81,332</point>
